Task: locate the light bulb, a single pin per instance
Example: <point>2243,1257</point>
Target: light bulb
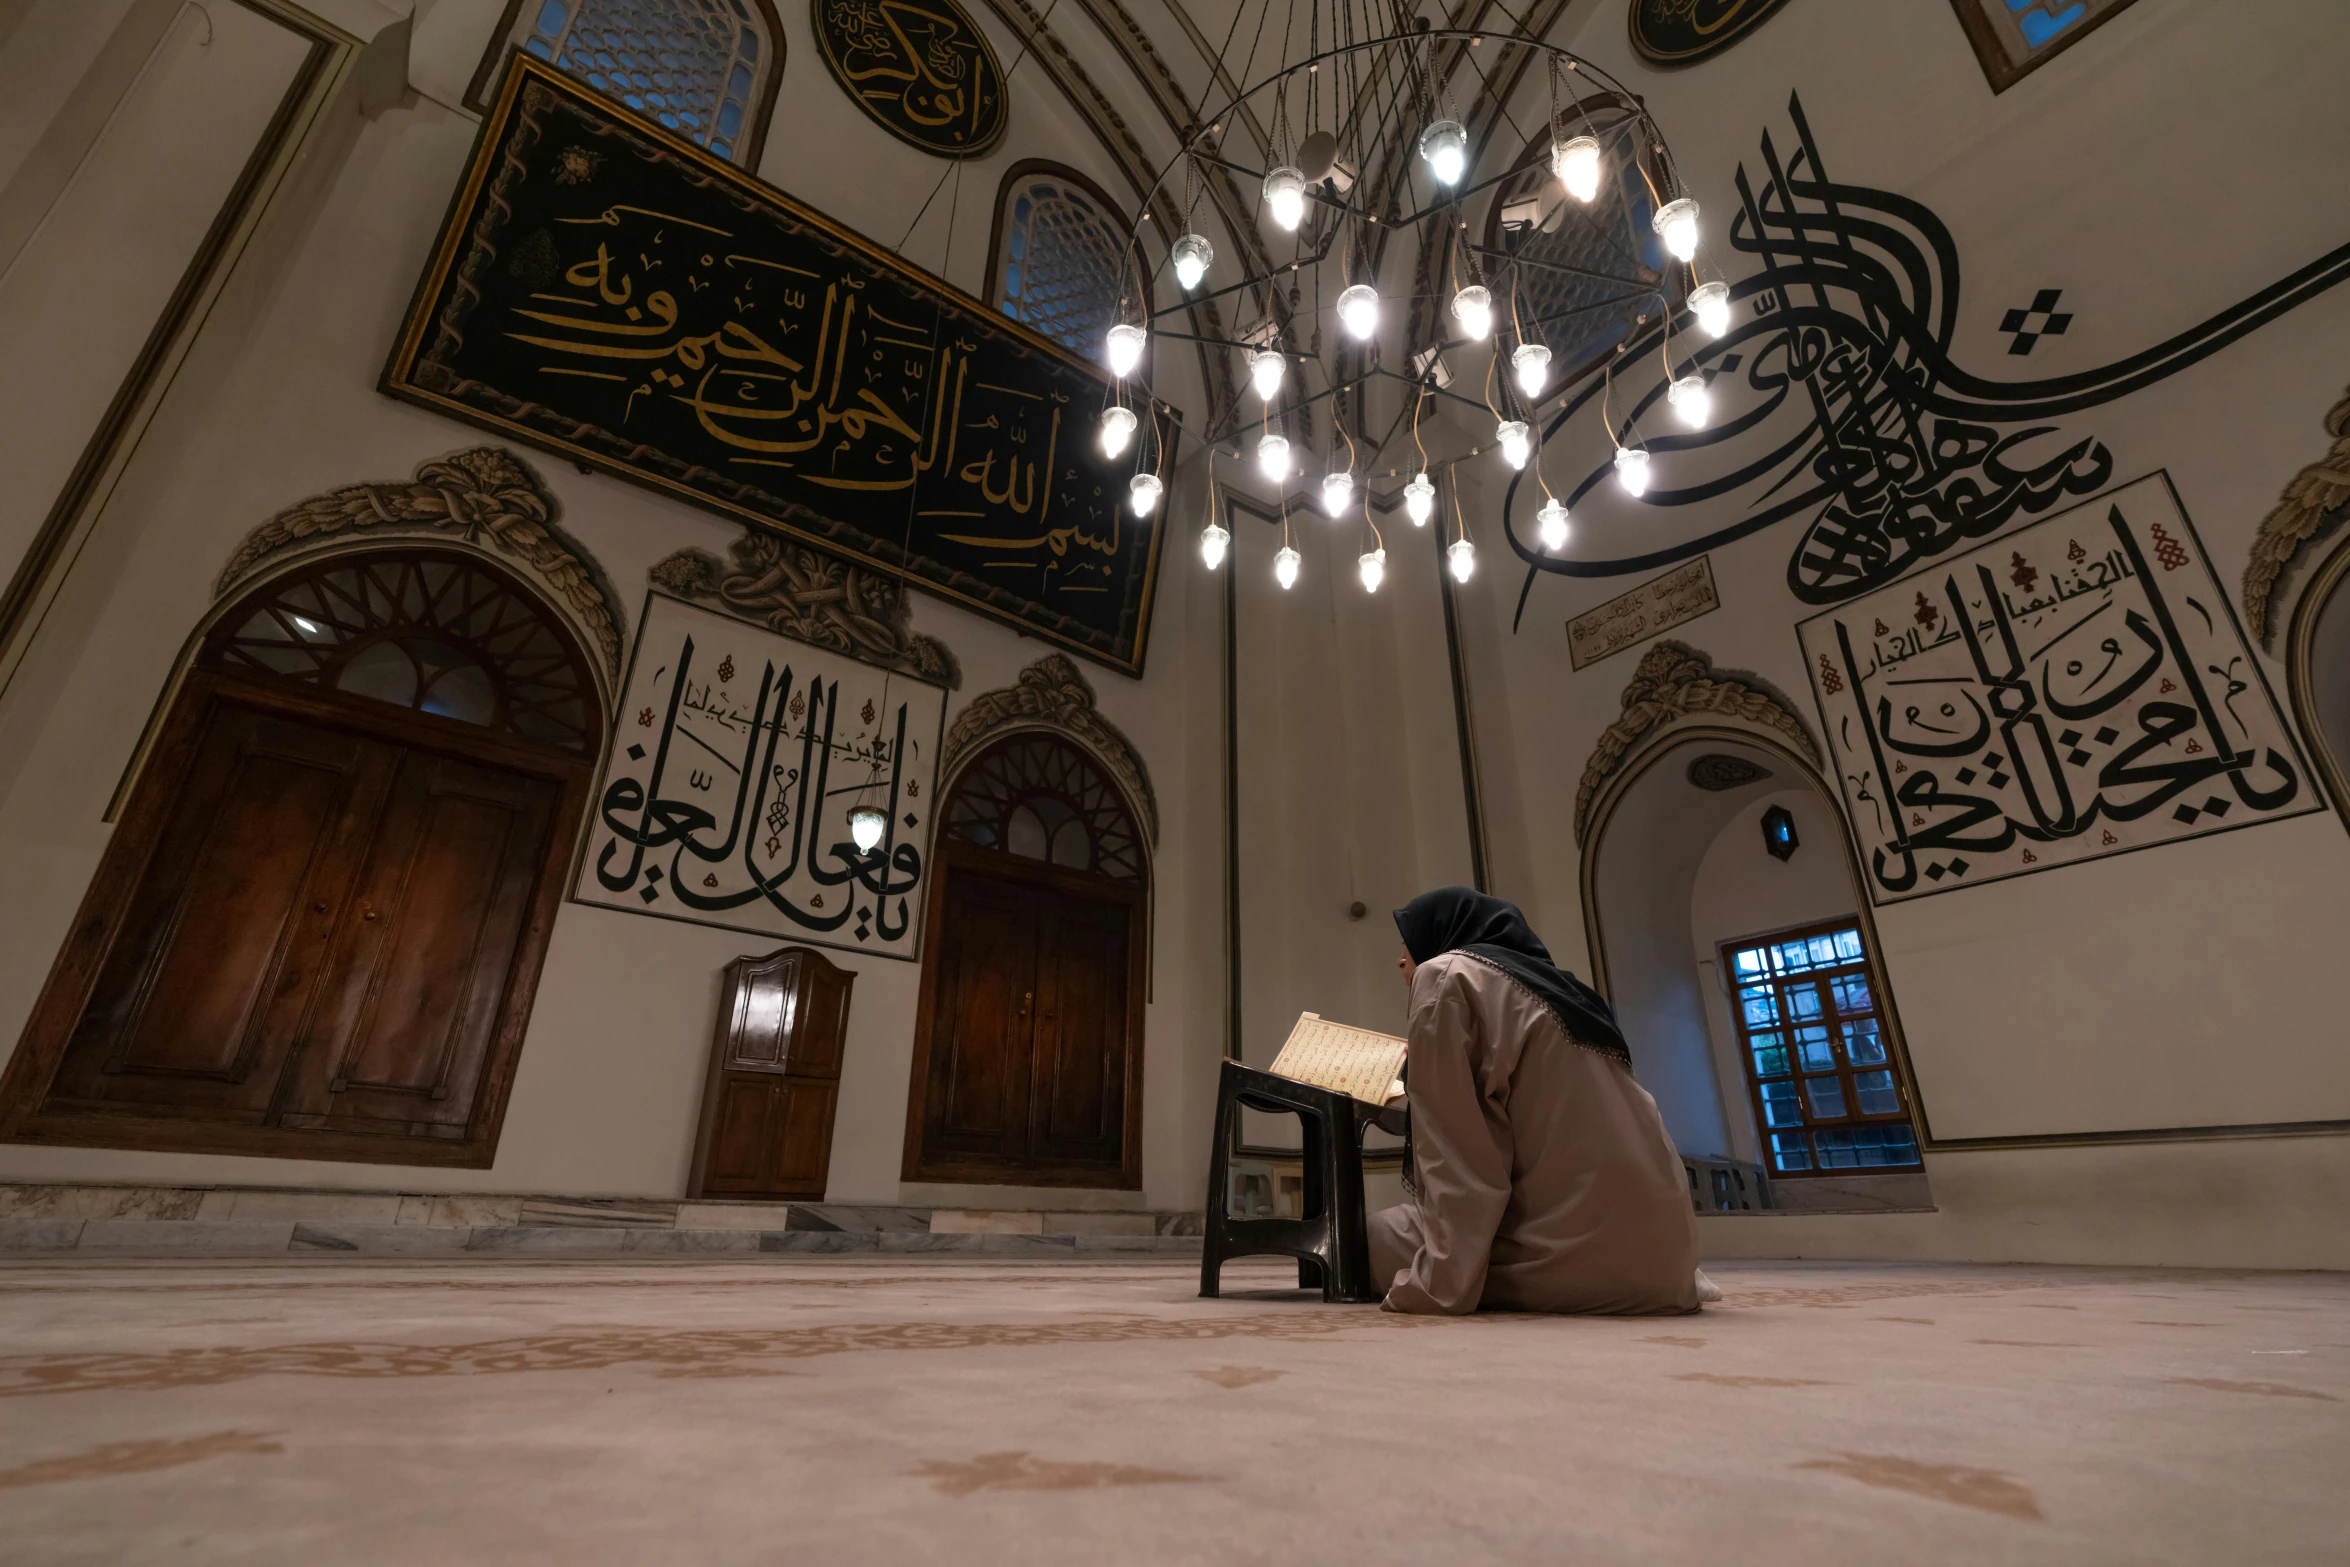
<point>1264,371</point>
<point>866,825</point>
<point>1144,492</point>
<point>1373,567</point>
<point>1273,457</point>
<point>1214,539</point>
<point>1125,349</point>
<point>1710,302</point>
<point>1285,567</point>
<point>1338,492</point>
<point>1461,555</point>
<point>1446,147</point>
<point>1691,400</point>
<point>1472,307</point>
<point>1515,445</point>
<point>1632,470</point>
<point>1419,501</point>
<point>1676,224</point>
<point>1551,523</point>
<point>1117,430</point>
<point>1285,196</point>
<point>1576,163</point>
<point>1193,256</point>
<point>1358,311</point>
<point>1531,361</point>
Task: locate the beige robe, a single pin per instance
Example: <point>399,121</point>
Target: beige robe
<point>1546,1181</point>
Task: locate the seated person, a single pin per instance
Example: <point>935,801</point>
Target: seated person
<point>1541,1174</point>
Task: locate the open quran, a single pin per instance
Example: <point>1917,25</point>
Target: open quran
<point>1352,1061</point>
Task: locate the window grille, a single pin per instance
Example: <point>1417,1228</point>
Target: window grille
<point>1041,798</point>
<point>1060,262</point>
<point>1826,1097</point>
<point>703,68</point>
<point>2013,37</point>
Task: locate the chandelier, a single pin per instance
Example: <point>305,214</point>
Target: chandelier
<point>1324,177</point>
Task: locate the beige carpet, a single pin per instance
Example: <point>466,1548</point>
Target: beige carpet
<point>809,1411</point>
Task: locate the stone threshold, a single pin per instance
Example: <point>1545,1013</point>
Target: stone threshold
<point>96,1220</point>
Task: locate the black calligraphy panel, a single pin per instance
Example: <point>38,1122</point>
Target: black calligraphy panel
<point>2073,689</point>
<point>616,294</point>
<point>1683,32</point>
<point>921,68</point>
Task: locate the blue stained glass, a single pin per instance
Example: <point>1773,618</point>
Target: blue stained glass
<point>1852,993</point>
<point>1811,1042</point>
<point>1876,1093</point>
<point>1863,1045</point>
<point>1790,1151</point>
<point>724,149</point>
<point>1760,1006</point>
<point>1827,1097</point>
<point>1770,1056</point>
<point>2038,25</point>
<point>1803,1002</point>
<point>1779,1105</point>
<point>730,119</point>
<point>1011,286</point>
<point>551,17</point>
<point>749,47</point>
<point>739,83</point>
<point>538,46</point>
<point>1749,962</point>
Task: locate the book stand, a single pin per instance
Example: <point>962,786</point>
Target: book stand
<point>1328,1240</point>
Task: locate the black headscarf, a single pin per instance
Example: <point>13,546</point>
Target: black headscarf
<point>1459,919</point>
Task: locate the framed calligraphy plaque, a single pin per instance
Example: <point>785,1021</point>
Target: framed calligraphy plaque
<point>736,760</point>
<point>1659,604</point>
<point>609,291</point>
<point>1683,32</point>
<point>921,69</point>
<point>2073,689</point>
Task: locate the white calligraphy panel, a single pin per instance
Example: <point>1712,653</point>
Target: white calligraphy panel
<point>2073,689</point>
<point>736,761</point>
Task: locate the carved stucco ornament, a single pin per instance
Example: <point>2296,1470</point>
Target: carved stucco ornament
<point>1675,680</point>
<point>811,596</point>
<point>485,496</point>
<point>1051,694</point>
<point>2313,505</point>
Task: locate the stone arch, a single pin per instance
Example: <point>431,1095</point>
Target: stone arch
<point>1051,694</point>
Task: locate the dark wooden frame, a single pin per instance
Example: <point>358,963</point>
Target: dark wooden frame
<point>1865,966</point>
<point>749,144</point>
<point>1991,54</point>
<point>947,860</point>
<point>98,922</point>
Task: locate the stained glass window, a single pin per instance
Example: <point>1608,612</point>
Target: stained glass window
<point>430,631</point>
<point>704,68</point>
<point>2012,37</point>
<point>1060,258</point>
<point>1041,798</point>
<point>1824,1089</point>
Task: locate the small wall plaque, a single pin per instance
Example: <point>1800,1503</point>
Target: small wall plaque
<point>1659,604</point>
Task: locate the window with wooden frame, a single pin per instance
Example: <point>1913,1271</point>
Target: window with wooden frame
<point>1059,264</point>
<point>1826,1098</point>
<point>2013,38</point>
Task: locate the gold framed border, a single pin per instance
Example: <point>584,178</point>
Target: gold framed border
<point>840,79</point>
<point>1671,59</point>
<point>398,380</point>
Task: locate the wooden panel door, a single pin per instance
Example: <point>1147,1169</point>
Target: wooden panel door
<point>982,1022</point>
<point>774,1083</point>
<point>1078,1108</point>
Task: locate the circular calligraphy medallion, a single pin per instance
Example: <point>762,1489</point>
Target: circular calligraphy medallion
<point>922,69</point>
<point>1683,32</point>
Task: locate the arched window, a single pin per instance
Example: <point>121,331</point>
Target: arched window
<point>706,69</point>
<point>1043,799</point>
<point>1059,265</point>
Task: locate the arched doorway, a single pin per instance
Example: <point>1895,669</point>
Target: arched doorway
<point>317,930</point>
<point>1028,1042</point>
<point>2317,667</point>
<point>1728,928</point>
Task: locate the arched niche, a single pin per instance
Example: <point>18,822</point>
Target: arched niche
<point>1669,865</point>
<point>2317,671</point>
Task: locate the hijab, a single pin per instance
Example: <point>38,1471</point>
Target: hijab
<point>1458,919</point>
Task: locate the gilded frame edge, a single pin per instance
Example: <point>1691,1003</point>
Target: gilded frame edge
<point>969,154</point>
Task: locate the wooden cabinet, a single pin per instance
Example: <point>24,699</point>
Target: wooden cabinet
<point>774,1079</point>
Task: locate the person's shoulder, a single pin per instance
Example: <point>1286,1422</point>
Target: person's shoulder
<point>1446,968</point>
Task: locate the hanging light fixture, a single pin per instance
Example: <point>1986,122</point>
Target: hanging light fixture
<point>1691,400</point>
<point>867,824</point>
<point>1531,362</point>
<point>1338,491</point>
<point>1373,567</point>
<point>1551,523</point>
<point>1265,368</point>
<point>1192,256</point>
<point>1285,196</point>
<point>1214,540</point>
<point>1446,147</point>
<point>1285,567</point>
<point>1632,470</point>
<point>1576,162</point>
<point>1124,345</point>
<point>1515,442</point>
<point>1472,307</point>
<point>1461,556</point>
<point>1273,457</point>
<point>1144,491</point>
<point>1419,500</point>
<point>1117,430</point>
<point>1710,303</point>
<point>1358,311</point>
<point>1676,224</point>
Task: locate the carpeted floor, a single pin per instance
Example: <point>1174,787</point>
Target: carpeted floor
<point>816,1411</point>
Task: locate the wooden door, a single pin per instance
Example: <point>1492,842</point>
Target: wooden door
<point>983,1022</point>
<point>774,1083</point>
<point>1077,1106</point>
